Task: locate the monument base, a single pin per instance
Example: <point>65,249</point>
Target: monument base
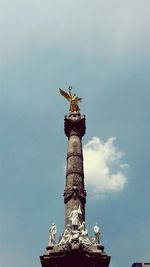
<point>75,256</point>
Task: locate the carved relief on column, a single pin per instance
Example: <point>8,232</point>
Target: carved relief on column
<point>75,193</point>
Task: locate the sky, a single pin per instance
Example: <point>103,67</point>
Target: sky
<point>101,48</point>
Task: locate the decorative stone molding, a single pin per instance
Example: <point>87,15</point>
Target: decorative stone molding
<point>74,192</point>
<point>74,154</point>
<point>74,127</point>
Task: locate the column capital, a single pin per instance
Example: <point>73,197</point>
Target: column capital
<point>74,124</point>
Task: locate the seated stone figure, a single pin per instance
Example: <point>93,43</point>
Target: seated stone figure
<point>66,237</point>
<point>84,239</point>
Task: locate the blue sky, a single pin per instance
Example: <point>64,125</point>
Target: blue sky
<point>101,48</point>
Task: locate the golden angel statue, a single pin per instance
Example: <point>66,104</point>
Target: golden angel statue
<point>72,98</point>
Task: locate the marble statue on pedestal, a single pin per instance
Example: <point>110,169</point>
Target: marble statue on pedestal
<point>97,233</point>
<point>52,235</point>
<point>75,217</point>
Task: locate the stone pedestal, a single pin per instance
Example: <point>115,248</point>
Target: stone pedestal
<point>75,257</point>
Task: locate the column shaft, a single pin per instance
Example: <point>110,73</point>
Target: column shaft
<point>74,194</point>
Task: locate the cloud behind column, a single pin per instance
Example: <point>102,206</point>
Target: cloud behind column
<point>103,166</point>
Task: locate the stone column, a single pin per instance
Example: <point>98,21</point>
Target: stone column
<point>74,194</point>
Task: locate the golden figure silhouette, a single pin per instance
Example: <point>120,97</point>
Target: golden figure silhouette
<point>72,98</point>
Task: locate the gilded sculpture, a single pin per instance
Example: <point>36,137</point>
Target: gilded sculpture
<point>72,98</point>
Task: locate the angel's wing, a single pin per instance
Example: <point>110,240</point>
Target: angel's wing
<point>79,99</point>
<point>65,94</point>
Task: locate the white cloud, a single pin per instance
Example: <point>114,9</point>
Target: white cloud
<point>103,167</point>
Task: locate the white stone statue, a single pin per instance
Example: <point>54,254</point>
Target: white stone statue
<point>52,235</point>
<point>84,235</point>
<point>97,233</point>
<point>75,217</point>
<point>66,237</point>
<point>83,229</point>
<point>75,235</point>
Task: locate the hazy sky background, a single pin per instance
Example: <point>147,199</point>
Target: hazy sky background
<point>101,48</point>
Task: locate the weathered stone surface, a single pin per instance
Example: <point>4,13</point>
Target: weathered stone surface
<point>74,194</point>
